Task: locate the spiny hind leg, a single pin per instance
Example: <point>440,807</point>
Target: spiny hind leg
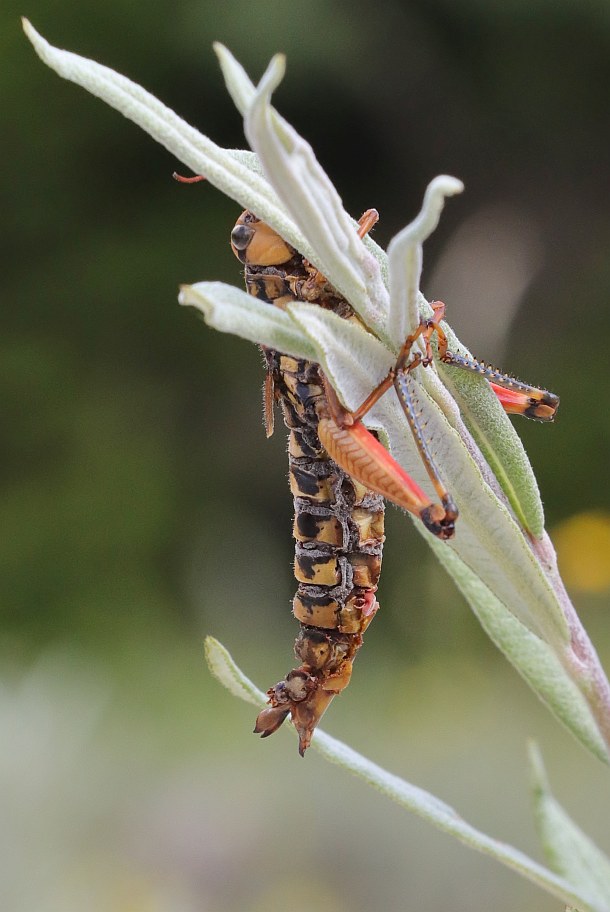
<point>516,397</point>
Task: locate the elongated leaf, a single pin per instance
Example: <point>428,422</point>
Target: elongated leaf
<point>480,409</point>
<point>405,258</point>
<point>243,91</point>
<point>224,168</point>
<point>570,852</point>
<point>315,205</point>
<point>409,796</point>
<point>229,309</point>
<point>535,661</point>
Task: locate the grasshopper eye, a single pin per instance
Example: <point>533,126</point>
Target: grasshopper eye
<point>241,236</point>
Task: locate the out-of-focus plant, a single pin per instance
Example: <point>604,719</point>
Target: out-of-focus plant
<point>501,558</point>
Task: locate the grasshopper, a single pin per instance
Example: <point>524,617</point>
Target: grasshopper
<point>340,474</point>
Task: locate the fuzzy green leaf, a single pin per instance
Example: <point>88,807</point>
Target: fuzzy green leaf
<point>535,661</point>
<point>230,309</point>
<point>500,444</point>
<point>569,851</point>
<point>405,258</point>
<point>309,195</point>
<point>226,169</point>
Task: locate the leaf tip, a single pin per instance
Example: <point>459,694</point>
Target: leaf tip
<point>219,662</point>
<point>42,47</point>
<point>223,54</point>
<point>211,647</point>
<point>272,76</point>
<point>438,190</point>
<point>447,185</point>
<point>29,30</point>
<point>538,774</point>
<point>223,668</point>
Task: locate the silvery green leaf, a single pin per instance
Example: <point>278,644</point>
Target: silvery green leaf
<point>230,309</point>
<point>224,168</point>
<point>315,205</point>
<point>569,851</point>
<point>413,799</point>
<point>242,91</point>
<point>534,659</point>
<point>238,83</point>
<point>405,257</point>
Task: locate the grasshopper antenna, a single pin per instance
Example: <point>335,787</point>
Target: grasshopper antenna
<point>188,180</point>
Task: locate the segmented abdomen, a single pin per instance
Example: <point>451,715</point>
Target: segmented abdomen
<point>338,523</point>
<point>338,531</point>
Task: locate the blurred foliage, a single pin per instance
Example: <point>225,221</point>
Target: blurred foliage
<point>140,502</point>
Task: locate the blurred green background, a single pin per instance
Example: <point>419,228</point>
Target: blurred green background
<point>141,506</point>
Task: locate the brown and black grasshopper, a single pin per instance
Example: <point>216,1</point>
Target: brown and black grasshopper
<point>340,475</point>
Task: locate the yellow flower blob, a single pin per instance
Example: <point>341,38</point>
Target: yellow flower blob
<point>583,550</point>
